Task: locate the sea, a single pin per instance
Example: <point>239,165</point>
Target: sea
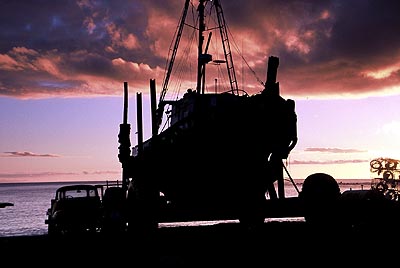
<point>30,202</point>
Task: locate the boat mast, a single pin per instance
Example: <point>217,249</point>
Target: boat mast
<point>200,59</point>
<point>160,110</point>
<point>204,58</point>
<point>226,47</point>
<point>174,51</point>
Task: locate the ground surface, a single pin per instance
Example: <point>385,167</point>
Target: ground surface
<point>221,245</point>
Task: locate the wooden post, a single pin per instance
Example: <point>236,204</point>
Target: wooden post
<point>124,140</point>
<point>153,103</point>
<point>139,122</point>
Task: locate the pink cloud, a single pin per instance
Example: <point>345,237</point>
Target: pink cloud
<point>55,174</point>
<point>28,154</point>
<point>7,63</point>
<point>121,38</point>
<point>327,162</point>
<point>36,174</point>
<point>333,150</point>
<point>320,54</point>
<point>101,172</point>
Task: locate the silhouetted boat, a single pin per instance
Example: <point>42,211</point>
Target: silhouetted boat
<point>220,152</point>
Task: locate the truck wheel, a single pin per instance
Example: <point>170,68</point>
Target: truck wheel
<point>53,229</point>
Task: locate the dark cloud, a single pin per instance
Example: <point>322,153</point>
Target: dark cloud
<point>84,62</point>
<point>326,48</point>
<point>366,30</point>
<point>27,154</point>
<point>40,24</point>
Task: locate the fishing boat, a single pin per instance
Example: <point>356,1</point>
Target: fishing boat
<point>216,153</point>
<point>213,153</point>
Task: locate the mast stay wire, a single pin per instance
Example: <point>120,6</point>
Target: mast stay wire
<point>181,65</point>
<point>176,93</point>
<point>222,78</point>
<point>183,62</point>
<point>236,47</point>
<point>290,178</point>
<point>244,59</point>
<point>177,71</point>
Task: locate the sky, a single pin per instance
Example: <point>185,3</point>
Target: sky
<point>63,65</point>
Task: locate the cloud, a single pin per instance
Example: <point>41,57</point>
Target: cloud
<point>55,174</point>
<point>70,49</point>
<point>333,150</point>
<point>27,154</point>
<point>327,162</point>
<point>329,151</point>
<point>120,38</point>
<point>36,175</point>
<point>102,172</point>
<point>77,73</point>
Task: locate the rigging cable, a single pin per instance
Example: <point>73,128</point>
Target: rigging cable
<point>242,57</point>
<point>290,177</point>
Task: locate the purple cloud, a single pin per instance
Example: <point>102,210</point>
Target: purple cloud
<point>327,162</point>
<point>333,150</point>
<point>28,154</point>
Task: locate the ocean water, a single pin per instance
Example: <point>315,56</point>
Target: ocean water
<point>31,200</point>
<point>30,203</point>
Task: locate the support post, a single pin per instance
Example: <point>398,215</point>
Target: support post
<point>153,103</point>
<point>139,122</point>
<point>124,140</point>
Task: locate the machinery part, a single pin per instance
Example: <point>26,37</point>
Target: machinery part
<point>319,194</point>
<point>376,165</point>
<point>388,184</point>
<point>388,175</point>
<point>380,164</point>
<point>381,187</point>
<point>362,208</point>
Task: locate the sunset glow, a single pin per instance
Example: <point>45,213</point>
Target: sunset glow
<point>62,69</point>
